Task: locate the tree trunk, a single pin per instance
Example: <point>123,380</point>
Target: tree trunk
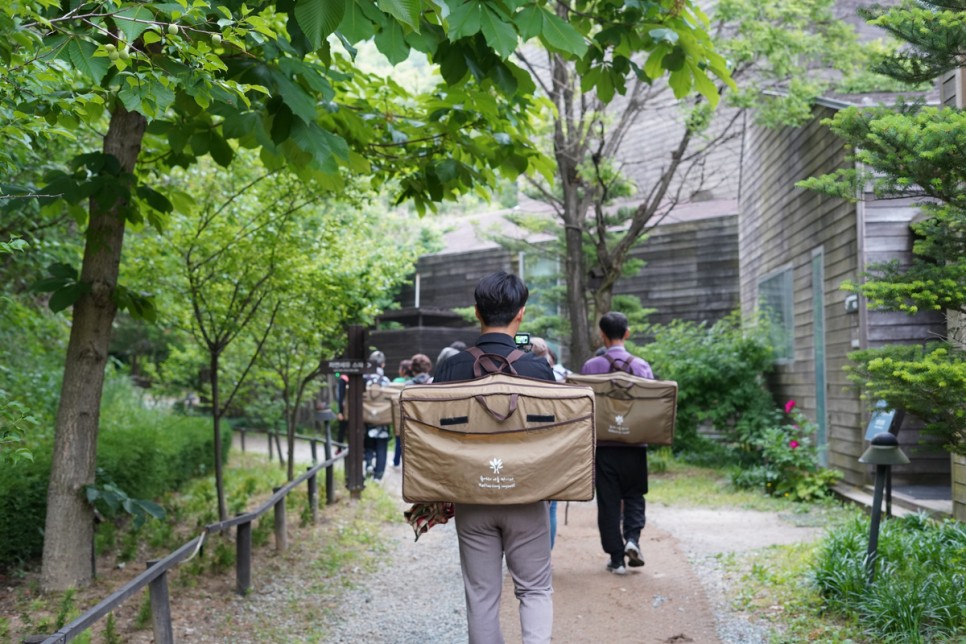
<point>69,527</point>
<point>290,413</point>
<point>216,422</point>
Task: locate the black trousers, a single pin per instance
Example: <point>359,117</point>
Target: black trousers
<point>621,481</point>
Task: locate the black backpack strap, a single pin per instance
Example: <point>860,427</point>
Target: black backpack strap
<point>614,363</point>
<point>493,362</point>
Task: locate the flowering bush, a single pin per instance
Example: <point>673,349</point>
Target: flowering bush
<point>784,461</point>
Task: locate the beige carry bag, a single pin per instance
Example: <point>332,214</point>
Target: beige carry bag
<point>378,401</point>
<point>499,439</point>
<point>631,409</point>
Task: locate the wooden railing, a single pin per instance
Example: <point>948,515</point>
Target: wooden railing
<point>156,575</point>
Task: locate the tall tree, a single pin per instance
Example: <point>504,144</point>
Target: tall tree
<point>770,48</point>
<point>919,152</point>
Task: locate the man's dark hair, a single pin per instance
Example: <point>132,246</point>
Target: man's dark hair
<point>613,325</point>
<point>499,297</point>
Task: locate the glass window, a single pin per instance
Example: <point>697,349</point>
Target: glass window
<point>775,299</point>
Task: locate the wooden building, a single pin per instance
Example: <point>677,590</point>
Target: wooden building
<point>797,247</point>
<point>690,273</point>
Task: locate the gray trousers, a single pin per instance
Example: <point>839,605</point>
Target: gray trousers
<point>522,532</point>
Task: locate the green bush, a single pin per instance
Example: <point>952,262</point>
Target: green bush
<point>144,451</point>
<point>720,374</point>
<point>919,590</point>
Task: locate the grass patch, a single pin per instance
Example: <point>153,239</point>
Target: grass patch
<point>919,590</point>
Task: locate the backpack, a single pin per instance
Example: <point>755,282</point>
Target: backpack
<point>630,409</point>
<point>377,401</point>
<point>500,438</point>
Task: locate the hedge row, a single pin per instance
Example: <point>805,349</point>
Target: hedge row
<point>144,460</point>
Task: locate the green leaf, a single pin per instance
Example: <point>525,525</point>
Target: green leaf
<point>499,35</point>
<point>154,199</point>
<point>405,11</point>
<point>465,20</point>
<point>674,60</point>
<point>561,37</point>
<point>296,98</point>
<point>529,22</point>
<point>80,53</point>
<point>680,82</point>
<point>319,18</point>
<point>66,296</point>
<point>133,21</point>
<point>356,26</point>
<point>392,43</point>
<point>221,151</point>
<point>705,85</point>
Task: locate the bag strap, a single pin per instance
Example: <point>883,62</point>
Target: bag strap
<point>613,363</point>
<point>491,362</point>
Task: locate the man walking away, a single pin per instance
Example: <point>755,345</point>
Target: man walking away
<point>521,531</point>
<point>620,469</point>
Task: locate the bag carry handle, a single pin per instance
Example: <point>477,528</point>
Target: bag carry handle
<point>491,362</point>
<point>500,417</point>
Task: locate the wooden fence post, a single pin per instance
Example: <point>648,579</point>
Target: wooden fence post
<point>268,439</point>
<point>243,430</point>
<point>313,484</point>
<point>330,470</point>
<point>281,536</point>
<point>160,608</point>
<point>315,451</point>
<point>243,558</point>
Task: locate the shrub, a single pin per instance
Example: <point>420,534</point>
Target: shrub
<point>720,375</point>
<point>144,451</point>
<point>783,460</point>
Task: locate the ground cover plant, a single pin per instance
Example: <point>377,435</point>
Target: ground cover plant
<point>918,593</point>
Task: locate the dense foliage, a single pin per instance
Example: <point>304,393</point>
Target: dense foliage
<point>916,151</point>
<point>919,590</point>
<point>145,452</point>
<point>720,371</point>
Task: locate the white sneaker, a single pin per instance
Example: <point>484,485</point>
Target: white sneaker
<point>634,556</point>
<point>617,569</point>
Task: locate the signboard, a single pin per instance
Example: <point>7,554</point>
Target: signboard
<point>352,367</point>
<point>881,421</point>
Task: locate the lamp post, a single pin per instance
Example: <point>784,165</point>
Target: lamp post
<point>883,452</point>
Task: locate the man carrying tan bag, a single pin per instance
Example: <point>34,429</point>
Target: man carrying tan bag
<point>621,468</point>
<point>520,531</point>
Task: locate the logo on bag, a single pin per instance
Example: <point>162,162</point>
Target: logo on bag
<point>497,481</point>
<point>618,426</point>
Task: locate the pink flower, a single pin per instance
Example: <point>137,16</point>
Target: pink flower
<point>789,406</point>
<point>793,444</point>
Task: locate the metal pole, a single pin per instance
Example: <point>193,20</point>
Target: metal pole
<point>281,536</point>
<point>881,471</point>
<point>160,608</point>
<point>243,558</point>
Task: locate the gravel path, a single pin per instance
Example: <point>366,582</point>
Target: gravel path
<point>681,595</point>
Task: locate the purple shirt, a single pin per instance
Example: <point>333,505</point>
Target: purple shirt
<point>600,364</point>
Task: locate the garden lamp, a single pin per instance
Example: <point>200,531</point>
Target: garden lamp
<point>883,452</point>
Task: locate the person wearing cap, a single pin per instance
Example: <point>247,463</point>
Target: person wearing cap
<point>376,444</point>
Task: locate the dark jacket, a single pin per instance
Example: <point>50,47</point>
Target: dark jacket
<point>460,366</point>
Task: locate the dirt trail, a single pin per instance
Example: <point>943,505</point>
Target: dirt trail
<point>665,601</point>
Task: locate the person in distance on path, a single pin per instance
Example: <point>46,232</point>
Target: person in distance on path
<point>620,470</point>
